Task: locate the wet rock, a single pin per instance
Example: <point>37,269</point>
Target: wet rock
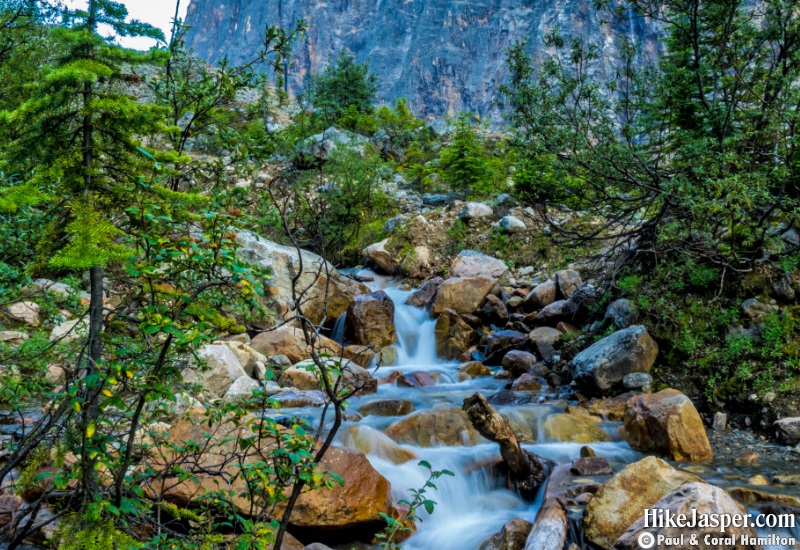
<point>750,496</point>
<point>541,296</point>
<point>361,355</point>
<point>25,312</point>
<point>546,351</point>
<point>545,334</point>
<point>587,452</point>
<point>573,429</point>
<point>329,292</point>
<point>511,537</point>
<point>419,379</point>
<point>442,426</point>
<point>568,282</point>
<point>453,335</point>
<point>290,342</point>
<point>387,407</point>
<point>380,256</point>
<point>493,311</point>
<point>788,430</point>
<point>600,368</point>
<point>509,397</point>
<point>370,320</point>
<point>666,422</point>
<point>219,370</point>
<point>503,340</point>
<point>373,442</point>
<point>590,466</point>
<point>511,225</point>
<point>474,211</point>
<point>621,313</point>
<point>423,297</point>
<point>526,382</point>
<point>638,381</point>
<point>757,480</point>
<point>518,362</point>
<point>469,264</point>
<point>756,311</point>
<point>624,498</point>
<point>474,369</point>
<point>702,499</point>
<point>462,295</point>
<point>610,408</point>
<point>747,458</point>
<point>291,398</point>
<point>786,479</point>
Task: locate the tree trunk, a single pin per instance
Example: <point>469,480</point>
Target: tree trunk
<point>526,470</point>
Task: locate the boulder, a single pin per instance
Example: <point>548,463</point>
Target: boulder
<point>518,362</point>
<point>701,499</point>
<point>24,312</point>
<point>370,320</point>
<point>419,379</point>
<point>511,225</point>
<point>568,282</point>
<point>667,423</point>
<point>453,335</point>
<point>387,407</point>
<point>370,441</point>
<point>469,264</point>
<point>381,257</point>
<point>600,368</point>
<point>462,295</point>
<point>247,356</point>
<point>306,376</point>
<point>69,331</point>
<point>574,429</point>
<point>317,276</point>
<point>473,369</point>
<point>638,381</point>
<point>290,342</point>
<point>502,341</point>
<point>545,334</point>
<point>493,311</point>
<point>541,296</point>
<point>423,297</point>
<point>320,147</point>
<point>242,388</point>
<point>511,537</point>
<point>526,382</point>
<point>358,503</point>
<point>12,337</point>
<point>475,210</point>
<point>557,312</point>
<point>448,426</point>
<point>292,398</point>
<point>219,369</point>
<point>624,498</point>
<point>788,430</point>
<point>621,313</point>
<point>610,408</point>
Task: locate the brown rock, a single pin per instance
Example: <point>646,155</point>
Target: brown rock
<point>493,311</point>
<point>373,442</point>
<point>453,335</point>
<point>462,295</point>
<point>575,429</point>
<point>502,341</point>
<point>545,334</point>
<point>387,407</point>
<point>511,537</point>
<point>747,458</point>
<point>419,379</point>
<point>442,426</point>
<point>424,296</point>
<point>590,466</point>
<point>666,422</point>
<point>623,498</point>
<point>541,296</point>
<point>289,341</point>
<point>473,369</point>
<point>567,328</point>
<point>526,382</point>
<point>370,320</point>
<point>518,362</point>
<point>610,408</point>
<point>750,496</point>
<point>568,282</point>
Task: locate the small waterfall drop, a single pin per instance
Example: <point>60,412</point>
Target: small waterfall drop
<point>416,341</point>
<point>337,334</point>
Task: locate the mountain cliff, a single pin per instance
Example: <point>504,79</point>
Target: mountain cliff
<point>444,56</point>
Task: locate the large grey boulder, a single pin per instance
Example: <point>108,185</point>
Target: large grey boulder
<point>512,225</point>
<point>317,275</point>
<point>322,146</point>
<point>601,368</point>
<point>474,211</point>
<point>470,263</point>
<point>621,313</point>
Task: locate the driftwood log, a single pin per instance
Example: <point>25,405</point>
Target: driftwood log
<point>527,471</point>
<point>549,531</point>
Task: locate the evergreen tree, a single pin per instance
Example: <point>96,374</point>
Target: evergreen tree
<point>344,85</point>
<point>463,162</point>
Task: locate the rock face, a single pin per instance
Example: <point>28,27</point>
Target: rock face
<point>600,368</point>
<point>444,57</point>
<point>623,498</point>
<point>370,320</point>
<point>462,295</point>
<point>470,263</point>
<point>703,499</point>
<point>443,426</point>
<point>666,422</point>
<point>284,261</point>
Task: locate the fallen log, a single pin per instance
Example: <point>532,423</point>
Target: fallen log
<point>549,531</point>
<point>527,471</point>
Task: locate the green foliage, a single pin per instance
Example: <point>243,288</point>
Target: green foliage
<point>419,500</point>
<point>345,89</point>
<point>464,163</point>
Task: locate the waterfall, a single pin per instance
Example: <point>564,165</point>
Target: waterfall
<point>416,341</point>
<point>337,334</point>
